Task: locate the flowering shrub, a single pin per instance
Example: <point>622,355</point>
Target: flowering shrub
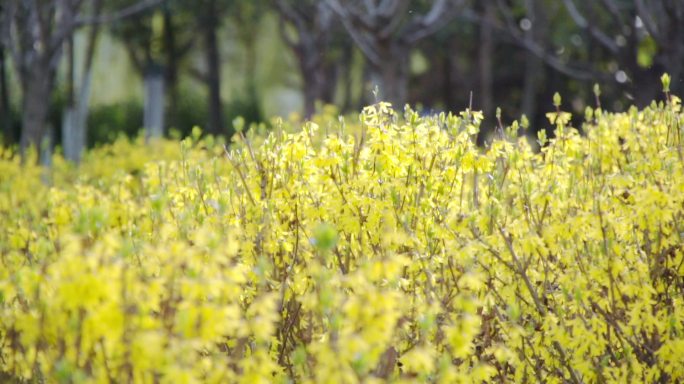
<point>390,250</point>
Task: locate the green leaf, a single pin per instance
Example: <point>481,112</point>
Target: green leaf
<point>239,124</point>
<point>325,237</point>
<point>646,51</point>
<point>665,79</point>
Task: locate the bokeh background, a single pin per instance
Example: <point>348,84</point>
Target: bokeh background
<point>80,73</point>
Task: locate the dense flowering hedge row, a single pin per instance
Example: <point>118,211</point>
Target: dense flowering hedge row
<point>390,250</point>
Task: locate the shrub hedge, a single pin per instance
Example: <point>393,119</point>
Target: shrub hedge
<point>387,249</point>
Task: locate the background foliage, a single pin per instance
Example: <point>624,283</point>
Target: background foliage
<point>273,57</point>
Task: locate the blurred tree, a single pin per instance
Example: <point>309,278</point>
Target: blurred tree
<point>510,53</point>
<point>245,17</point>
<point>643,39</point>
<point>74,118</point>
<point>175,50</point>
<point>155,46</point>
<point>486,58</point>
<point>625,45</point>
<point>36,33</point>
<point>5,108</point>
<point>446,81</point>
<point>209,17</point>
<point>307,27</point>
<point>385,31</point>
<point>533,26</point>
<point>183,27</point>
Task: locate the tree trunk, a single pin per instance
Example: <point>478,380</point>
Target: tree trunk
<point>171,67</point>
<point>69,133</point>
<point>447,81</point>
<point>314,78</point>
<point>69,130</point>
<point>392,77</point>
<point>458,82</point>
<point>35,105</point>
<point>74,122</point>
<point>676,44</point>
<point>250,62</point>
<point>486,53</point>
<point>74,128</point>
<point>534,69</point>
<point>82,108</point>
<point>5,110</point>
<point>154,102</point>
<point>214,72</point>
<point>329,75</point>
<point>47,144</point>
<point>310,95</point>
<point>533,72</point>
<point>346,66</point>
<point>83,96</point>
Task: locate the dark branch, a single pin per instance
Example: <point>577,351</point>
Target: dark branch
<point>354,26</point>
<point>133,10</point>
<point>646,19</point>
<point>583,23</point>
<point>554,62</point>
<point>442,12</point>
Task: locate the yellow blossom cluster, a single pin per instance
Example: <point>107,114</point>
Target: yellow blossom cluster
<point>390,249</point>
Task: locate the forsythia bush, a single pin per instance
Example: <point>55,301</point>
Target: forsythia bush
<point>390,250</point>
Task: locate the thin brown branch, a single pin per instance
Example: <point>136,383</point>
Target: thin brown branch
<point>242,176</point>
